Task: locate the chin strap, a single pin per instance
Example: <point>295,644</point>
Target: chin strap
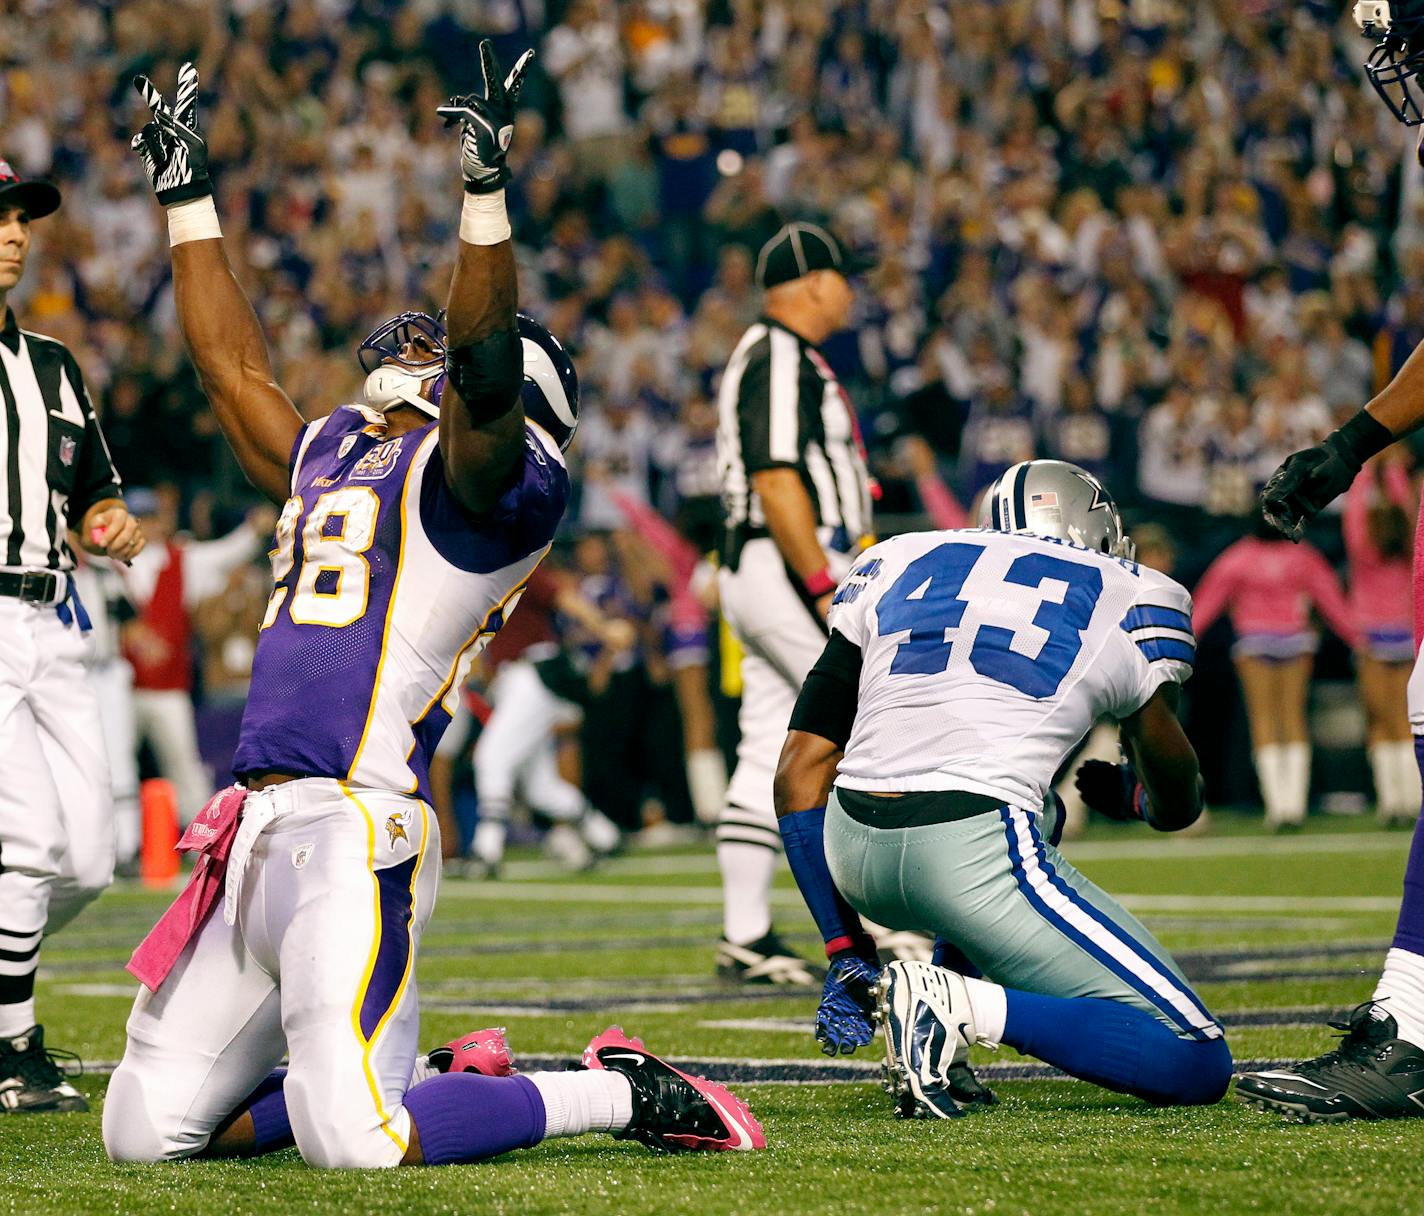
<point>389,385</point>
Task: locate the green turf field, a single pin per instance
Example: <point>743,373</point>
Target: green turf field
<point>1276,933</point>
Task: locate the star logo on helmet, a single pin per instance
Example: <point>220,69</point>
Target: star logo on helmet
<point>1100,498</point>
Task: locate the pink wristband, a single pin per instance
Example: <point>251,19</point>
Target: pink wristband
<point>819,583</point>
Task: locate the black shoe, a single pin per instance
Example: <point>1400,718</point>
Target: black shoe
<point>30,1080</point>
<point>672,1110</point>
<point>966,1089</point>
<point>1371,1075</point>
<point>768,960</point>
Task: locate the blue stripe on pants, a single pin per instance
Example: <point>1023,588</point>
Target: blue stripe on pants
<point>1135,982</point>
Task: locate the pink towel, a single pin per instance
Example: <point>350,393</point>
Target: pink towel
<point>210,835</point>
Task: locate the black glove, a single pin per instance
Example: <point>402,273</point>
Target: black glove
<point>487,123</point>
<point>1110,789</point>
<point>174,154</point>
<point>1309,481</point>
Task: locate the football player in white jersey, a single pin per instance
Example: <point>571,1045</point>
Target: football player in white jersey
<point>962,670</point>
<point>410,526</point>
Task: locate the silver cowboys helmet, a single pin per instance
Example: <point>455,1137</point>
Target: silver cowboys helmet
<point>1055,498</point>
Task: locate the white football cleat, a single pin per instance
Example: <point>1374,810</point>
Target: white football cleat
<point>928,1023</point>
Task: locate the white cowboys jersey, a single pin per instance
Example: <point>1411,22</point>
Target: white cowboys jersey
<point>987,656</point>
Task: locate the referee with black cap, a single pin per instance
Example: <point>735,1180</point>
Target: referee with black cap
<point>797,500</point>
<point>56,826</point>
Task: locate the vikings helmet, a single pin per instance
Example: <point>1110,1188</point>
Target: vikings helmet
<point>550,394</point>
<point>1055,498</point>
<point>551,388</point>
<point>1397,26</point>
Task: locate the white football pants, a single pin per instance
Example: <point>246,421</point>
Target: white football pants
<point>165,718</point>
<point>56,829</point>
<point>781,641</point>
<point>319,965</point>
<point>516,749</point>
<point>112,681</point>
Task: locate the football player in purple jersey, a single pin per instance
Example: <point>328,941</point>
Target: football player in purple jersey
<point>410,525</point>
<point>1376,1071</point>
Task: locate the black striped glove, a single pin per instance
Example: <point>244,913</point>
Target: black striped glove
<point>174,154</point>
<point>487,122</point>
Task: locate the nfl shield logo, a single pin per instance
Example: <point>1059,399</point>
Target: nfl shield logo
<point>346,445</point>
<point>66,451</point>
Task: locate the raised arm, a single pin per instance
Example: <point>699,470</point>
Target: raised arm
<point>224,338</point>
<point>481,420</point>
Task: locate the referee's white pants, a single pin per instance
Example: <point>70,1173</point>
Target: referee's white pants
<point>112,680</point>
<point>781,640</point>
<point>56,829</point>
<point>165,718</point>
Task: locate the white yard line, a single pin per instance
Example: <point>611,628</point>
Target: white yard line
<point>1153,848</point>
<point>612,893</point>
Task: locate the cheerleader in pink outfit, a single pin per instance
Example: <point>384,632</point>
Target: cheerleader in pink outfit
<point>1378,527</point>
<point>1268,586</point>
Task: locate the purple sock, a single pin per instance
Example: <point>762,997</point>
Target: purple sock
<point>1409,932</point>
<point>267,1105</point>
<point>463,1116</point>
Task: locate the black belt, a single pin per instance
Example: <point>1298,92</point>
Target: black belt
<point>916,810</point>
<point>31,586</point>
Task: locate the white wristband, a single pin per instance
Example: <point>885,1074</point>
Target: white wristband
<point>195,220</point>
<point>483,219</point>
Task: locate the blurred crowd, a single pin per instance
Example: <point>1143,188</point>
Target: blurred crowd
<point>1169,241</point>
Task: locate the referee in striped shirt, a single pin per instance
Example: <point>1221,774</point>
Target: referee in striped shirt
<point>56,825</point>
<point>797,500</point>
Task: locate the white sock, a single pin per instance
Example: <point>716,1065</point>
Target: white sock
<point>1382,769</point>
<point>17,1018</point>
<point>1295,782</point>
<point>1268,777</point>
<point>1406,779</point>
<point>707,783</point>
<point>991,1009</point>
<point>595,1100</point>
<point>1401,993</point>
<point>747,871</point>
<point>599,832</point>
<point>488,844</point>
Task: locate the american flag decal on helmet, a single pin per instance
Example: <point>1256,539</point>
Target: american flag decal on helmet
<point>1046,499</point>
<point>66,451</point>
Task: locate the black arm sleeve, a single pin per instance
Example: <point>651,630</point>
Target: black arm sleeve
<point>826,706</point>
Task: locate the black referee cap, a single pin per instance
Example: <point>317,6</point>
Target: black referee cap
<point>36,197</point>
<point>797,250</point>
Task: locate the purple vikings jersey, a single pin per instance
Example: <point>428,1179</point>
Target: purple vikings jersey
<point>385,592</point>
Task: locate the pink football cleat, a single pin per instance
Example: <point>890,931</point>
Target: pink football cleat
<point>672,1110</point>
<point>481,1051</point>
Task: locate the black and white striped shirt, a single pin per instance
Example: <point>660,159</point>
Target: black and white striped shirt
<point>781,406</point>
<point>54,464</point>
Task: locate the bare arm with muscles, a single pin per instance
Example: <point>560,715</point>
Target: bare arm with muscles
<point>224,338</point>
<point>481,422</point>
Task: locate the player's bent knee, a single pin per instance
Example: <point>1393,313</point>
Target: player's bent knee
<point>333,1132</point>
<point>135,1132</point>
<point>1194,1073</point>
